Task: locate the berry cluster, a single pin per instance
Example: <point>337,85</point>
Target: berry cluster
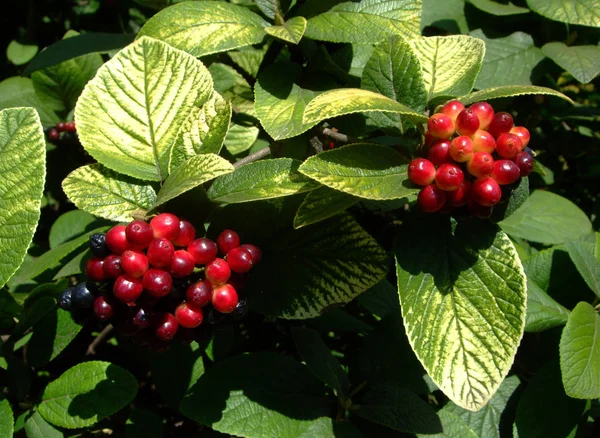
<point>55,132</point>
<point>155,279</point>
<point>471,153</point>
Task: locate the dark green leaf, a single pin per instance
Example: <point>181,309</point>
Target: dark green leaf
<point>453,427</point>
<point>143,424</point>
<point>220,344</point>
<point>69,225</point>
<point>497,8</point>
<point>543,312</point>
<point>338,320</point>
<point>381,299</point>
<point>581,61</point>
<point>322,203</point>
<point>516,197</point>
<point>582,254</point>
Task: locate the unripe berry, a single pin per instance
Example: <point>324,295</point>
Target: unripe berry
<point>467,122</point>
<point>439,153</point>
<point>421,171</point>
<point>182,263</point>
<point>449,177</point>
<point>240,260</point>
<point>203,250</point>
<point>501,123</point>
<point>480,164</point>
<point>127,289</point>
<point>461,149</point>
<point>523,133</point>
<point>484,112</point>
<point>157,282</point>
<point>227,240</point>
<point>112,266</point>
<point>199,293</point>
<point>508,145</point>
<point>103,309</point>
<point>160,252</point>
<point>525,163</point>
<point>165,225</point>
<point>187,234</point>
<point>217,272</point>
<point>225,298</point>
<point>188,316</point>
<point>452,109</point>
<point>460,196</point>
<point>116,239</point>
<point>134,263</point>
<point>94,270</point>
<point>483,141</point>
<point>486,191</point>
<point>505,172</point>
<point>139,233</point>
<point>167,327</point>
<point>431,198</point>
<point>440,126</point>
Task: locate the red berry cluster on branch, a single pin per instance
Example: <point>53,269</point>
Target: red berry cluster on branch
<point>153,278</point>
<point>471,153</point>
<point>54,133</point>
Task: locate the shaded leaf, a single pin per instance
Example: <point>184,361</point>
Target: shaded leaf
<point>582,254</point>
<point>69,225</point>
<point>498,9</point>
<point>322,203</point>
<point>583,62</point>
<point>18,92</point>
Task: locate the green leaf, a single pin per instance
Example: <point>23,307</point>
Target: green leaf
<point>280,103</point>
<point>543,312</point>
<point>22,178</point>
<point>32,315</point>
<point>450,63</point>
<point>291,31</point>
<point>272,8</point>
<point>20,54</point>
<point>338,320</point>
<point>399,409</point>
<point>240,138</point>
<point>68,226</point>
<point>510,91</point>
<point>381,300</point>
<point>334,103</point>
<point>143,424</point>
<point>448,15</point>
<point>37,427</point>
<point>365,170</point>
<point>203,132</point>
<point>129,115</point>
<point>108,194</point>
<point>453,426</point>
<point>75,266</point>
<point>508,61</point>
<point>51,335</point>
<point>547,218</point>
<point>487,422</point>
<point>322,203</point>
<point>261,180</point>
<point>18,92</point>
<point>69,48</point>
<point>258,396</point>
<point>320,361</point>
<point>6,418</point>
<point>202,28</point>
<point>582,254</point>
<point>234,89</point>
<point>584,12</point>
<point>395,72</point>
<point>498,9</point>
<point>366,21</point>
<point>463,298</point>
<point>248,59</point>
<point>195,171</point>
<point>580,353</point>
<point>86,393</point>
<point>582,62</point>
<point>519,193</point>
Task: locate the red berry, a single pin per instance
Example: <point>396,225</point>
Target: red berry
<point>116,239</point>
<point>112,266</point>
<point>167,327</point>
<point>225,298</point>
<point>449,177</point>
<point>165,225</point>
<point>53,134</point>
<point>484,112</point>
<point>431,198</point>
<point>139,233</point>
<point>134,263</point>
<point>467,122</point>
<point>505,172</point>
<point>94,269</point>
<point>525,163</point>
<point>199,294</point>
<point>227,240</point>
<point>60,126</point>
<point>70,127</point>
<point>483,141</point>
<point>480,164</point>
<point>486,191</point>
<point>203,250</point>
<point>508,145</point>
<point>421,171</point>
<point>523,133</point>
<point>187,234</point>
<point>128,289</point>
<point>440,126</point>
<point>157,282</point>
<point>452,109</point>
<point>460,196</point>
<point>461,149</point>
<point>188,316</point>
<point>254,252</point>
<point>103,309</point>
<point>501,123</point>
<point>143,318</point>
<point>480,211</point>
<point>217,271</point>
<point>240,260</point>
<point>160,252</point>
<point>182,263</point>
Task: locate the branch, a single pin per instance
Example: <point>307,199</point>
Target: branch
<point>262,153</point>
<point>338,136</point>
<point>91,350</point>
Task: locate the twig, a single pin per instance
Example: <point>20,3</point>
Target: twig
<point>316,144</point>
<point>261,153</point>
<point>338,136</point>
<point>91,350</point>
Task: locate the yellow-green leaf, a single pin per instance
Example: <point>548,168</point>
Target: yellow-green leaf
<point>510,91</point>
<point>584,12</point>
<point>291,31</point>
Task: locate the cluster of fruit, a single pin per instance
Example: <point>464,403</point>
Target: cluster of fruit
<point>155,279</point>
<point>471,153</point>
<point>55,133</point>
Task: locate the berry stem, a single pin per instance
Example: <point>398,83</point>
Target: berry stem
<point>91,350</point>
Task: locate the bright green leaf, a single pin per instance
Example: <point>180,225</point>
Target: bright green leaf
<point>584,12</point>
<point>20,54</point>
<point>69,225</point>
<point>463,298</point>
<point>194,172</point>
<point>322,203</point>
<point>129,115</point>
<point>582,254</point>
<point>498,9</point>
<point>248,59</point>
<point>17,92</point>
<point>6,418</point>
<point>583,62</point>
<point>202,28</point>
<point>547,218</point>
<point>108,194</point>
<point>365,170</point>
<point>450,64</point>
<point>240,138</point>
<point>510,91</point>
<point>261,180</point>
<point>22,178</point>
<point>37,427</point>
<point>366,21</point>
<point>86,393</point>
<point>291,31</point>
